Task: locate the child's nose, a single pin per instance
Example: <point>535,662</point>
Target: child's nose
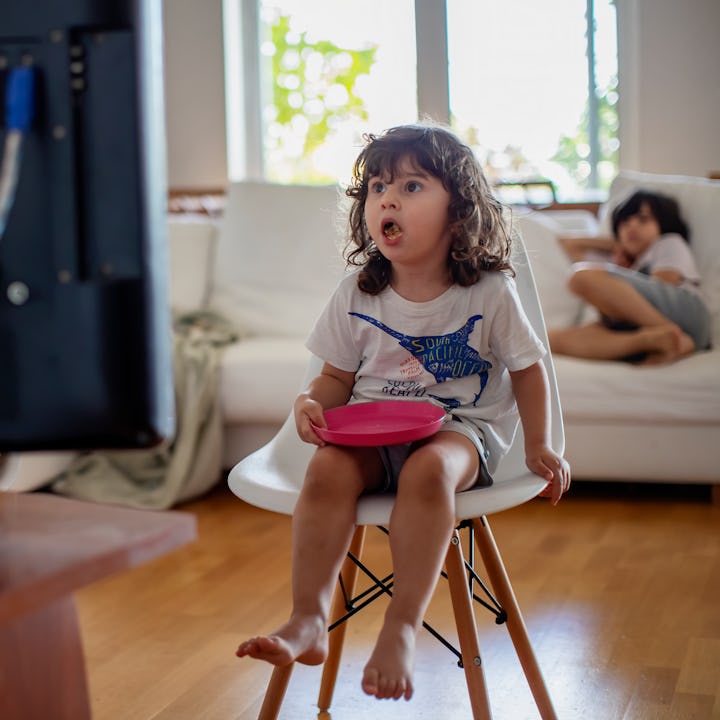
<point>389,198</point>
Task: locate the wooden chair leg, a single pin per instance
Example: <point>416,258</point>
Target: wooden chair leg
<point>336,638</point>
<point>275,692</point>
<point>516,625</point>
<point>467,630</point>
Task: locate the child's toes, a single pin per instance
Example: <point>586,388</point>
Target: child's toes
<point>371,682</point>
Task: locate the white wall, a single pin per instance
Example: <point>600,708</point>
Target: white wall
<point>195,94</point>
<point>669,54</point>
<point>669,84</point>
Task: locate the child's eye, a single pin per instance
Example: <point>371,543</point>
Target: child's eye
<point>377,186</point>
<point>413,186</point>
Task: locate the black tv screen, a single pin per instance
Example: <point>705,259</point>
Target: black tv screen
<point>85,343</point>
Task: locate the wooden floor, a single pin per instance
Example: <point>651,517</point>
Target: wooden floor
<point>620,586</point>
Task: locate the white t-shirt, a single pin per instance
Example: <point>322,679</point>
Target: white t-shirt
<point>670,252</point>
<point>455,350</point>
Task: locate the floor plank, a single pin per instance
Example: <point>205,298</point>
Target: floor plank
<point>619,585</point>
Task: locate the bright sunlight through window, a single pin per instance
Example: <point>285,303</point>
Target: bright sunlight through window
<point>521,89</point>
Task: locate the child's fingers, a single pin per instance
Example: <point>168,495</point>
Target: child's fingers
<point>557,491</point>
<point>557,472</point>
<point>561,482</point>
<point>541,468</point>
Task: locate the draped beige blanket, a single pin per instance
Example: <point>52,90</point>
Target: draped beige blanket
<point>180,468</point>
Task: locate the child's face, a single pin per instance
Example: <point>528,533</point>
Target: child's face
<point>638,232</point>
<point>407,218</point>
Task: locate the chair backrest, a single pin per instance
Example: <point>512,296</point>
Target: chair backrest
<point>271,477</point>
<point>513,464</point>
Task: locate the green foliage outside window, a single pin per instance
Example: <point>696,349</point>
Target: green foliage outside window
<point>573,151</point>
<point>313,91</point>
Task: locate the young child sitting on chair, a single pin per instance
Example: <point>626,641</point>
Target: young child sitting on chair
<point>647,293</point>
<point>432,314</point>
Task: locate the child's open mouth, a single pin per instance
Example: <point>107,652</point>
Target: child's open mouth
<point>391,230</point>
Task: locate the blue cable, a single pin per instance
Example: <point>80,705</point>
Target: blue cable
<point>19,113</point>
<point>20,98</point>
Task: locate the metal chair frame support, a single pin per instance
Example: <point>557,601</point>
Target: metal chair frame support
<point>383,586</point>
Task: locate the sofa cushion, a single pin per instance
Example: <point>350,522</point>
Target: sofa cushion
<point>686,391</point>
<point>550,266</point>
<point>191,246</point>
<point>278,257</point>
<point>260,378</point>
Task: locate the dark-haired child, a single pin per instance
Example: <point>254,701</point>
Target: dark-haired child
<point>432,314</point>
<point>648,295</point>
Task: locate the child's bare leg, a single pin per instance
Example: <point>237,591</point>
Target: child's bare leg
<point>595,341</point>
<point>323,524</point>
<point>614,297</point>
<point>420,529</point>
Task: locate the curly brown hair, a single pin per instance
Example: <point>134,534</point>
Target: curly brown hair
<point>480,238</point>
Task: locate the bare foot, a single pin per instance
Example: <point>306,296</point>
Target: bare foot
<point>388,673</point>
<point>667,343</point>
<point>301,639</point>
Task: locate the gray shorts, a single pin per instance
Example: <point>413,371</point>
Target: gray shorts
<point>680,305</point>
<point>394,456</point>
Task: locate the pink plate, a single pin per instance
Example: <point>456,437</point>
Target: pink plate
<point>388,422</point>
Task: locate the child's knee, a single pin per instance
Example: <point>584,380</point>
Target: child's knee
<point>584,278</point>
<point>322,473</point>
<point>336,473</point>
<point>430,476</point>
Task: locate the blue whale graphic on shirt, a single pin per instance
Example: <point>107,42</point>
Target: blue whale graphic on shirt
<point>444,356</point>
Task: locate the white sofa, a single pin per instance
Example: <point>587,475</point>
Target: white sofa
<point>274,258</point>
<point>626,422</point>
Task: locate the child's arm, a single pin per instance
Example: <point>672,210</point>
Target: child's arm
<point>530,387</point>
<point>577,246</point>
<point>331,388</point>
<point>672,277</point>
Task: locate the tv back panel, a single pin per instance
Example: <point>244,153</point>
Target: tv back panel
<point>85,340</point>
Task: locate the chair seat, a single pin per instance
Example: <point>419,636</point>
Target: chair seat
<point>266,480</point>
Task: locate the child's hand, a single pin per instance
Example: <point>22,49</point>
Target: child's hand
<point>309,412</point>
<point>547,464</point>
<point>620,257</point>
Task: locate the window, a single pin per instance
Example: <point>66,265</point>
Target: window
<point>530,85</point>
<point>328,73</point>
<point>520,89</point>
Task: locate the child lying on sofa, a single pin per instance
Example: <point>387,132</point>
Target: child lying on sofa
<point>647,292</point>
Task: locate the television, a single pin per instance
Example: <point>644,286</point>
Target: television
<point>85,338</point>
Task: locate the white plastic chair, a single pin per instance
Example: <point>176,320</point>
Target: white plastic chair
<point>271,478</point>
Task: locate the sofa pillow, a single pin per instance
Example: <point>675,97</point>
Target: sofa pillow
<point>550,266</point>
<point>278,257</point>
<point>191,248</point>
